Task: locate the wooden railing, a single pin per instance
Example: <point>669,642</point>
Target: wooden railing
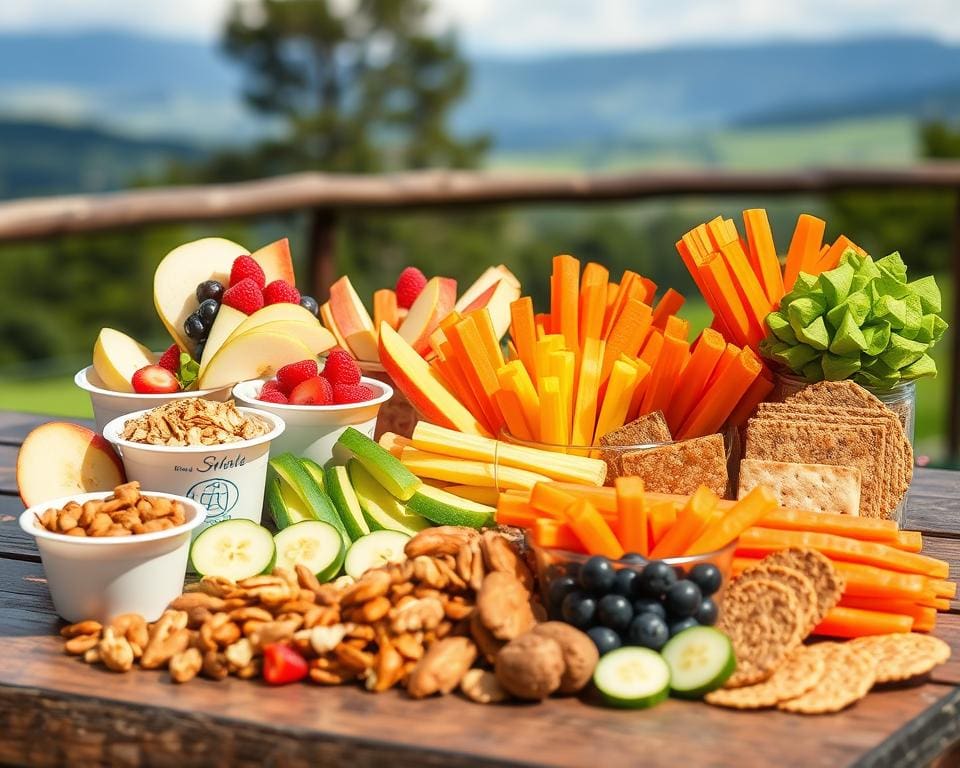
<point>326,195</point>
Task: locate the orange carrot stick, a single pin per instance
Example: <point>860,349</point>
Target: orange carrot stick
<point>512,410</point>
<point>547,499</point>
<point>631,515</point>
<point>864,528</point>
<point>692,520</point>
<point>556,535</point>
<point>763,253</point>
<point>630,288</point>
<point>488,336</point>
<point>593,531</point>
<point>756,505</point>
<point>603,497</point>
<point>722,397</point>
<point>465,349</point>
<point>920,614</point>
<point>669,304</point>
<point>450,368</point>
<point>660,516</point>
<point>725,302</point>
<point>627,335</point>
<point>593,301</point>
<point>566,319</point>
<point>854,622</point>
<point>514,510</point>
<point>944,588</point>
<point>909,541</point>
<point>831,258</point>
<point>804,248</point>
<point>870,581</point>
<point>694,377</point>
<point>756,393</point>
<point>649,289</point>
<point>752,295</point>
<point>663,378</point>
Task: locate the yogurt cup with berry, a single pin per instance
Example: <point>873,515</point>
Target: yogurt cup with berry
<point>317,403</point>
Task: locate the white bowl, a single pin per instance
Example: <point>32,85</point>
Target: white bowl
<point>101,577</point>
<point>228,480</point>
<point>108,405</point>
<point>312,430</point>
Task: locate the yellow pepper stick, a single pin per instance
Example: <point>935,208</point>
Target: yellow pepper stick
<point>544,346</point>
<point>585,410</point>
<point>563,365</point>
<point>552,414</point>
<point>616,400</point>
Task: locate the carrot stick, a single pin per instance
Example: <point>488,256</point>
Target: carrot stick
<point>660,516</point>
<point>385,308</point>
<point>488,336</point>
<point>722,397</point>
<point>602,497</point>
<point>831,258</point>
<point>512,410</point>
<point>553,534</point>
<point>756,505</point>
<point>514,510</point>
<point>565,317</point>
<point>542,321</point>
<point>944,588</point>
<point>869,581</point>
<point>669,304</point>
<point>692,519</point>
<point>648,355</point>
<point>616,397</point>
<point>919,613</point>
<point>513,377</point>
<point>763,253</point>
<point>863,528</point>
<point>593,531</point>
<point>593,301</point>
<point>631,515</point>
<point>588,386</point>
<point>725,302</point>
<point>804,248</point>
<point>909,541</point>
<point>552,412</point>
<point>756,393</point>
<point>663,378</point>
<point>763,540</point>
<point>677,327</point>
<point>460,386</point>
<point>752,295</point>
<point>854,622</point>
<point>465,348</point>
<point>649,289</point>
<point>562,363</point>
<point>547,499</point>
<point>691,260</point>
<point>630,288</point>
<point>694,377</point>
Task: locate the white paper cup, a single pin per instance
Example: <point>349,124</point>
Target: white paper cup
<point>108,405</point>
<point>101,577</point>
<point>312,430</point>
<point>228,480</point>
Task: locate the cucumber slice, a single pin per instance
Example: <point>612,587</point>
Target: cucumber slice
<point>286,508</point>
<point>381,510</point>
<point>297,483</point>
<point>443,508</point>
<point>233,549</point>
<point>373,550</point>
<point>386,468</point>
<point>345,500</point>
<point>314,544</point>
<point>632,677</point>
<point>701,659</point>
<point>315,471</point>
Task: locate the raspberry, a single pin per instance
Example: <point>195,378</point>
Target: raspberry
<point>245,267</point>
<point>290,375</point>
<point>271,386</point>
<point>273,396</point>
<point>281,292</point>
<point>409,285</point>
<point>245,296</point>
<point>352,393</point>
<point>170,359</point>
<point>313,391</point>
<point>340,368</point>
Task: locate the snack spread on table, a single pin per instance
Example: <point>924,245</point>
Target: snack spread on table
<point>599,502</point>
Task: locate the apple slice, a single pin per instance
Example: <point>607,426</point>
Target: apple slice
<point>181,271</point>
<point>413,376</point>
<point>62,459</point>
<point>434,303</point>
<point>497,300</point>
<point>228,320</point>
<point>274,259</point>
<point>347,310</point>
<point>326,315</point>
<point>363,345</point>
<point>252,356</point>
<point>275,313</point>
<point>116,357</point>
<point>490,276</point>
<point>313,335</point>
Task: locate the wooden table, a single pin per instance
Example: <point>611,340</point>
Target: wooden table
<point>55,710</point>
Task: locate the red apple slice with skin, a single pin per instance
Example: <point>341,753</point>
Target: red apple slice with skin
<point>347,310</point>
<point>413,376</point>
<point>326,315</point>
<point>497,300</point>
<point>434,303</point>
<point>275,261</point>
<point>490,276</point>
<point>61,459</point>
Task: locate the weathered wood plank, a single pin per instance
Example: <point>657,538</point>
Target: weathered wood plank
<point>14,426</point>
<point>14,543</point>
<point>8,472</point>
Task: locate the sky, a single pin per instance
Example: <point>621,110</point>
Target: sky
<point>533,27</point>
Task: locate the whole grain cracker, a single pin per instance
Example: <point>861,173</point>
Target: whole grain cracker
<point>649,429</point>
<point>827,583</point>
<point>903,655</point>
<point>799,672</point>
<point>681,467</point>
<point>855,445</point>
<point>764,621</point>
<point>817,487</point>
<point>849,673</point>
<point>796,580</point>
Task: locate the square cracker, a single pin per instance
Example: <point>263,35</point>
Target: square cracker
<point>818,487</point>
<point>681,467</point>
<point>893,462</point>
<point>862,446</point>
<point>649,429</point>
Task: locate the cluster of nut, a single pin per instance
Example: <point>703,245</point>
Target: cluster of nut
<point>193,421</point>
<point>124,513</point>
<point>460,599</point>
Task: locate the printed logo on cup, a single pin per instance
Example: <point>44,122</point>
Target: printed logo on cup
<point>219,496</point>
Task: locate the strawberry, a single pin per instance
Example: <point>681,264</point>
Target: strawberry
<point>245,296</point>
<point>352,393</point>
<point>170,359</point>
<point>272,396</point>
<point>409,285</point>
<point>290,375</point>
<point>271,386</point>
<point>313,391</point>
<point>341,368</point>
<point>154,380</point>
<point>281,292</point>
<point>244,268</point>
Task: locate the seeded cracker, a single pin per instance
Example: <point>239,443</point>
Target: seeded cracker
<point>903,655</point>
<point>649,429</point>
<point>848,675</point>
<point>817,487</point>
<point>795,580</point>
<point>764,621</point>
<point>798,673</point>
<point>681,467</point>
<point>827,583</point>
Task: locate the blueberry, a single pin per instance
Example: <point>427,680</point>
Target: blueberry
<point>604,638</point>
<point>310,304</point>
<point>198,350</point>
<point>578,609</point>
<point>597,575</point>
<point>555,571</point>
<point>573,569</point>
<point>648,630</point>
<point>209,289</point>
<point>625,582</point>
<point>649,605</point>
<point>707,612</point>
<point>682,599</point>
<point>633,557</point>
<point>656,578</point>
<point>614,611</point>
<point>706,576</point>
<point>207,312</point>
<point>559,588</point>
<point>193,327</point>
<point>676,627</point>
